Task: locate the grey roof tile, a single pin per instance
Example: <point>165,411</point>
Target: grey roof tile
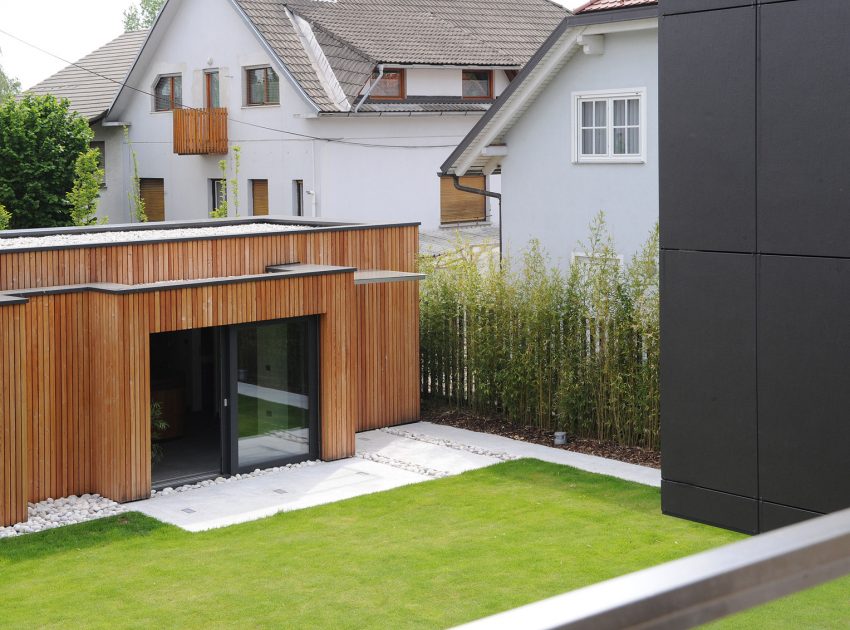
<point>92,86</point>
<point>355,35</point>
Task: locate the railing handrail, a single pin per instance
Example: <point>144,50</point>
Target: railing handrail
<point>699,588</point>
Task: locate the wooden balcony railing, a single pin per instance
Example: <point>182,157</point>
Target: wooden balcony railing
<point>200,131</point>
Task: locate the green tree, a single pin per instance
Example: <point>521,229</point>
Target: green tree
<point>40,140</point>
<point>5,217</point>
<point>9,86</point>
<point>84,195</point>
<point>137,17</point>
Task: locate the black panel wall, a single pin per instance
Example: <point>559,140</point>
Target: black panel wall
<point>755,279</point>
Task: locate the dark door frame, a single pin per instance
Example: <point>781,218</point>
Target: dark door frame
<point>230,398</point>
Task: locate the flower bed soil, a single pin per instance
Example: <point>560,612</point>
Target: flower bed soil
<point>462,419</point>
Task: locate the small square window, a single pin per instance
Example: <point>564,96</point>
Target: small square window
<point>263,86</point>
<point>477,84</point>
<point>168,93</point>
<point>609,127</point>
<point>390,86</point>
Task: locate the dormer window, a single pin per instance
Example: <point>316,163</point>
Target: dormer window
<point>168,93</point>
<point>390,86</point>
<point>263,86</point>
<point>477,84</point>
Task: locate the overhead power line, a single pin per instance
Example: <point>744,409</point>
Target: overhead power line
<point>347,141</point>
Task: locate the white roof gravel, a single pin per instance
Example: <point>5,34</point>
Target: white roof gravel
<point>129,236</point>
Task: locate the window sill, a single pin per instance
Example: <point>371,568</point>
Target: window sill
<point>628,160</point>
<point>270,105</point>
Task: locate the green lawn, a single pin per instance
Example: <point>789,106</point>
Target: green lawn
<point>257,417</point>
<point>429,555</point>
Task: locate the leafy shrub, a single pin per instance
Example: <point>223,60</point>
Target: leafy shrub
<point>575,351</point>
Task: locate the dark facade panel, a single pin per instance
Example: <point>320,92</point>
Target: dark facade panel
<point>672,7</point>
<point>707,139</point>
<point>803,185</point>
<point>772,516</point>
<point>804,382</point>
<point>711,507</point>
<point>708,370</point>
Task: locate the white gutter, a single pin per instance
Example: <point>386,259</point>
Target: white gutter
<point>371,87</point>
<point>541,75</point>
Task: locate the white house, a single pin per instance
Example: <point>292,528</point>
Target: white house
<point>341,109</point>
<point>575,133</point>
<point>91,85</point>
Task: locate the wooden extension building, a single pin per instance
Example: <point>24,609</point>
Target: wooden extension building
<point>141,356</point>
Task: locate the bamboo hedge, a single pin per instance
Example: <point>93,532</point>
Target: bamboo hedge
<point>575,351</point>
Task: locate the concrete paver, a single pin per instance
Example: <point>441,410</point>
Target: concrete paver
<point>407,448</point>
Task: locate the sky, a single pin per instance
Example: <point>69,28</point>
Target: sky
<point>67,28</point>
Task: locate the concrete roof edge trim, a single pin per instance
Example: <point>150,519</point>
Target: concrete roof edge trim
<point>518,85</point>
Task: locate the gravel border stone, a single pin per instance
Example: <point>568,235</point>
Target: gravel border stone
<point>97,238</point>
<point>421,437</point>
<point>54,513</point>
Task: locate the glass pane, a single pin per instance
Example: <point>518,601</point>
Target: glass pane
<point>634,140</point>
<point>601,141</point>
<point>178,91</point>
<point>619,113</point>
<point>601,113</point>
<point>619,141</point>
<point>634,111</point>
<point>587,142</point>
<point>587,113</point>
<point>213,87</point>
<point>389,86</point>
<point>256,87</point>
<point>476,84</point>
<point>274,87</point>
<point>162,98</point>
<point>273,387</point>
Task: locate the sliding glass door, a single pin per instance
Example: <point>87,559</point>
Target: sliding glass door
<point>275,413</point>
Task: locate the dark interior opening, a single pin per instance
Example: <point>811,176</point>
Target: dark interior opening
<point>187,444</point>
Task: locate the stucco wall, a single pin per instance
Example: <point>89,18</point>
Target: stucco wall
<point>549,198</point>
<point>340,181</point>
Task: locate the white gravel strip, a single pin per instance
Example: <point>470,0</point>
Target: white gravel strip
<point>397,463</point>
<point>52,513</point>
<point>477,450</point>
<point>97,238</point>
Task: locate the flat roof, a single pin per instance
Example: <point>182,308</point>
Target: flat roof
<point>16,241</point>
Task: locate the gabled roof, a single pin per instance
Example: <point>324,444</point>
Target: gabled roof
<point>356,35</point>
<point>471,155</point>
<point>608,5</point>
<point>92,94</point>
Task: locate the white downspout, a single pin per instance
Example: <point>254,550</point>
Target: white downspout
<point>371,87</point>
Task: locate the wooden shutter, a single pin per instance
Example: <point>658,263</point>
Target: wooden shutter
<point>457,206</point>
<point>260,192</point>
<point>152,192</point>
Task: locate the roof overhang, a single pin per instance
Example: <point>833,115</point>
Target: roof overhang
<point>573,34</point>
<point>155,34</point>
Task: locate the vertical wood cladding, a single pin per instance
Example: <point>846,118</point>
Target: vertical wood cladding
<point>378,248</point>
<point>76,365</point>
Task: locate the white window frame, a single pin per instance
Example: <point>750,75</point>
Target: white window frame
<point>610,96</point>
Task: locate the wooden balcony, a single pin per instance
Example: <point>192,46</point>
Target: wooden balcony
<point>200,131</point>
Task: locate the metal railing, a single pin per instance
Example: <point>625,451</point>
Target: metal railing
<point>700,588</point>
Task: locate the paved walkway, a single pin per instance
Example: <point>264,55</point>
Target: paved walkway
<point>387,459</point>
